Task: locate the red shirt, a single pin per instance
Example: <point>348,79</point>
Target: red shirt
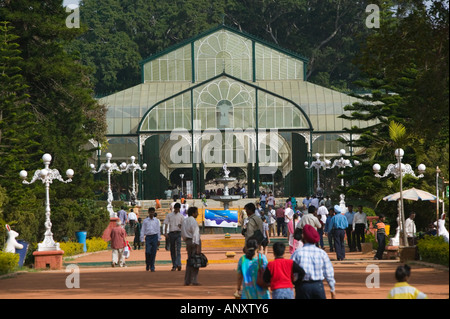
<point>281,273</point>
<point>118,237</point>
<point>279,212</point>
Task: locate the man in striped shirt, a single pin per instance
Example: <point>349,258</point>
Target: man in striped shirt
<point>317,266</point>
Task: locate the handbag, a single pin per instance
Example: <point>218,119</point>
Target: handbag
<point>260,277</point>
<point>198,261</point>
<point>258,235</point>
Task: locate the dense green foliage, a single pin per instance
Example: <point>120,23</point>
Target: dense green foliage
<point>434,249</point>
<point>8,262</point>
<point>404,65</point>
<point>49,73</point>
<point>120,33</point>
<point>46,106</point>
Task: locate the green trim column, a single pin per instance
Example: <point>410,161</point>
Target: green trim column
<point>193,61</point>
<point>253,61</point>
<point>194,165</point>
<point>140,186</point>
<point>257,147</point>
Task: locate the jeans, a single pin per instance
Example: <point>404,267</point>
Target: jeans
<point>310,290</point>
<point>381,238</point>
<point>320,231</point>
<point>151,245</point>
<point>351,238</point>
<point>281,226</point>
<point>330,239</point>
<point>359,233</point>
<point>283,293</point>
<point>175,248</point>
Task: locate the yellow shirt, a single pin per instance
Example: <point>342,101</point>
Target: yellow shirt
<point>402,290</point>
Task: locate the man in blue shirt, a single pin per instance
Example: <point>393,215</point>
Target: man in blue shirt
<point>122,214</point>
<point>317,267</point>
<point>339,224</point>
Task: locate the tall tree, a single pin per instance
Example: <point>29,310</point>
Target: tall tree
<point>59,90</point>
<point>18,136</point>
<point>19,139</point>
<point>405,63</point>
<point>119,33</point>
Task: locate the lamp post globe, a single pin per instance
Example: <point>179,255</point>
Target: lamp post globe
<point>23,174</point>
<point>421,168</point>
<point>47,175</point>
<point>46,158</point>
<point>70,173</point>
<point>376,168</point>
<point>399,153</point>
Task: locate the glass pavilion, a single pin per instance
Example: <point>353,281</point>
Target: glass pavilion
<point>225,96</point>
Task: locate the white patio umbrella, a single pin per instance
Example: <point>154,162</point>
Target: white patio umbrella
<point>411,194</point>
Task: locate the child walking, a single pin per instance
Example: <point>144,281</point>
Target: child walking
<point>402,290</point>
<point>381,237</point>
<point>281,273</point>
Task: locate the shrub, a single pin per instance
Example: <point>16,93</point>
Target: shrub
<point>69,216</point>
<point>96,244</point>
<point>8,261</point>
<point>434,249</point>
<point>71,248</point>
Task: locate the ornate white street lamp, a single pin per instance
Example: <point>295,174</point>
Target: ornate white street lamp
<point>133,167</point>
<point>47,175</point>
<point>343,163</point>
<point>399,170</point>
<point>109,168</point>
<point>318,164</point>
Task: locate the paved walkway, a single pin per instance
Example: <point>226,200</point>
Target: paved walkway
<point>98,280</point>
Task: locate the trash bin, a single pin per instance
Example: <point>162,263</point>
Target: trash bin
<point>81,238</point>
<point>22,252</point>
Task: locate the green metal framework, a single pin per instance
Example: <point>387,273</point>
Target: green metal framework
<point>227,79</point>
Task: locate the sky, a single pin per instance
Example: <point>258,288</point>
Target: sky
<point>70,2</point>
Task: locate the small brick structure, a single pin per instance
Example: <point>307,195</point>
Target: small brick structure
<point>392,252</point>
<point>366,248</point>
<point>51,259</point>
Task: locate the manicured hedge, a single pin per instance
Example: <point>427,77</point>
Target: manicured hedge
<point>71,248</point>
<point>96,244</point>
<point>434,249</point>
<point>8,262</point>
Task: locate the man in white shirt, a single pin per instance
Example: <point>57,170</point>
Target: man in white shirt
<point>360,226</point>
<point>271,220</point>
<point>410,228</point>
<point>315,202</point>
<point>310,219</point>
<point>190,233</point>
<point>151,233</point>
<point>172,232</point>
<point>132,219</point>
<point>322,212</point>
<point>271,200</point>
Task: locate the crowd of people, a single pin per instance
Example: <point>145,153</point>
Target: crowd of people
<point>304,224</point>
<point>176,227</point>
